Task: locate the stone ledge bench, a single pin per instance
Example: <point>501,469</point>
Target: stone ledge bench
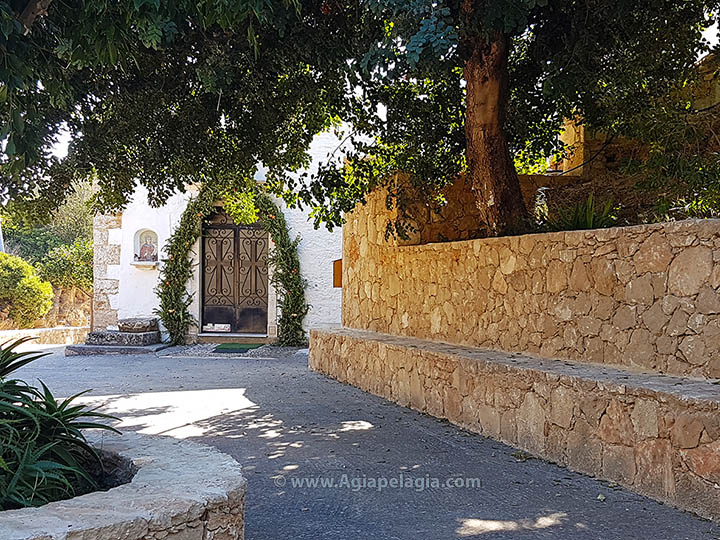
<point>658,435</point>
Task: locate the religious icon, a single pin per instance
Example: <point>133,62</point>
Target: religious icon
<point>148,249</point>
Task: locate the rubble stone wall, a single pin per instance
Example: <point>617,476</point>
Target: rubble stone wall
<point>658,435</point>
<point>459,218</point>
<point>646,297</point>
<point>70,307</point>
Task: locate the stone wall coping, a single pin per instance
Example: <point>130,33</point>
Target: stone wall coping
<point>701,393</point>
<point>176,484</point>
<point>4,334</point>
<point>578,236</point>
<point>56,335</point>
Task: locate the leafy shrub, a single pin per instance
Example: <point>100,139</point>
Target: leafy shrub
<point>701,206</point>
<point>26,296</point>
<point>69,266</point>
<point>241,207</point>
<point>30,243</point>
<point>583,215</point>
<point>44,456</point>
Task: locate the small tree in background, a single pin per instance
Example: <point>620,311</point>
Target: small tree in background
<point>69,266</point>
<point>33,236</point>
<point>23,295</point>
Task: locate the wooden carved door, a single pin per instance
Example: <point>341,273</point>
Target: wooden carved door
<point>235,277</point>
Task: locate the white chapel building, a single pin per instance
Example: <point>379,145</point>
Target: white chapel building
<point>129,250</point>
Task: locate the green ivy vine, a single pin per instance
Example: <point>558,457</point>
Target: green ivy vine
<point>245,207</point>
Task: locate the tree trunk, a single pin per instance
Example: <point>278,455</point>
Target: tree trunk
<point>33,10</point>
<point>491,169</point>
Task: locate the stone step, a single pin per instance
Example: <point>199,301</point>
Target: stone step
<point>138,325</point>
<point>123,339</point>
<point>89,350</point>
<point>658,435</point>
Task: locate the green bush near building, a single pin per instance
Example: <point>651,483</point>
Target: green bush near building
<point>23,294</point>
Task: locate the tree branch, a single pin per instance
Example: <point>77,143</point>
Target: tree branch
<point>33,10</point>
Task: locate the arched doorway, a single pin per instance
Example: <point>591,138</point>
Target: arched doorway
<point>234,276</point>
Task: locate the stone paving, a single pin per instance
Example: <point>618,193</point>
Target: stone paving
<point>288,426</point>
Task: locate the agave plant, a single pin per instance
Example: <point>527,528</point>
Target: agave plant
<point>583,215</point>
<point>44,455</point>
<point>11,360</point>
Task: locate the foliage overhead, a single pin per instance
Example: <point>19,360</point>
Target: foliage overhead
<point>170,93</point>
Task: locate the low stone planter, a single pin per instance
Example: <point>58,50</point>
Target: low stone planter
<point>181,491</point>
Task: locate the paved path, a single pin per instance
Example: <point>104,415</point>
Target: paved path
<point>286,424</point>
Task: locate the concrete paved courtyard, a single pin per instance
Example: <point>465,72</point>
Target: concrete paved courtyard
<point>328,461</point>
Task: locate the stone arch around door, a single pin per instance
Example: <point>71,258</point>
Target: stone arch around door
<point>236,295</point>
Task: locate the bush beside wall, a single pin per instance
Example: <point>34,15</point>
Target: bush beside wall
<point>69,266</point>
<point>24,296</point>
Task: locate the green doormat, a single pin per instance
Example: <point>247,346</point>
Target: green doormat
<point>237,347</point>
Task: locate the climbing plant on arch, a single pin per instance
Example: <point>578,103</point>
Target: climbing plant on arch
<point>244,207</point>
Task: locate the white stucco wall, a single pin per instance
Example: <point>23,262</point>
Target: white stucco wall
<point>317,250</point>
<point>137,284</point>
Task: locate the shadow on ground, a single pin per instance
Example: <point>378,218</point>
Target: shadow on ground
<point>325,460</point>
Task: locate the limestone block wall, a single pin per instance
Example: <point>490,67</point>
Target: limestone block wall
<point>107,238</point>
<point>646,297</point>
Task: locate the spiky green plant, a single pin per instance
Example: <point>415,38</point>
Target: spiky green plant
<point>582,215</point>
<point>44,455</point>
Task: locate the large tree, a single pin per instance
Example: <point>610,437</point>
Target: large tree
<point>523,66</point>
